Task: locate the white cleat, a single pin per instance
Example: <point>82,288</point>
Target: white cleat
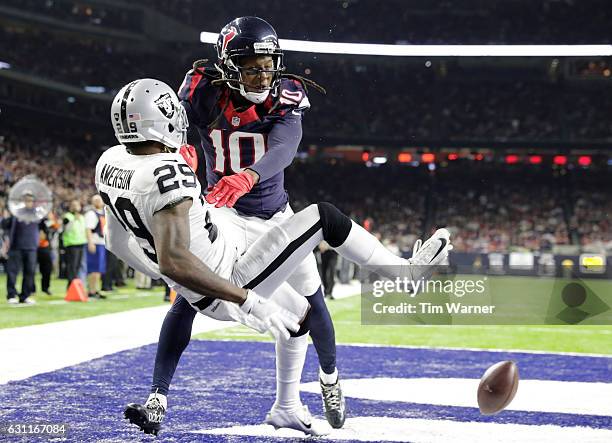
<point>429,254</point>
<point>300,420</point>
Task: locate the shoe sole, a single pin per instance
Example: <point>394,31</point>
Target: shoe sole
<point>334,422</point>
<point>308,432</point>
<point>134,415</point>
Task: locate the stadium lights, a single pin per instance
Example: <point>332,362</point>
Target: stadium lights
<point>428,157</point>
<point>512,159</point>
<point>379,160</point>
<point>435,50</point>
<point>535,159</point>
<point>560,160</point>
<point>404,157</point>
<point>95,89</point>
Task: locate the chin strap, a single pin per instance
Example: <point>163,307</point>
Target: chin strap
<point>255,97</point>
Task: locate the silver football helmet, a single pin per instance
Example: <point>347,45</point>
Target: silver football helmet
<point>149,110</point>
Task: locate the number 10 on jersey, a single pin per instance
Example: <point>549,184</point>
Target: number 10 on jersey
<point>236,145</point>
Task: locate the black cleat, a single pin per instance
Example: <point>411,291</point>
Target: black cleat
<point>148,417</point>
<point>333,404</point>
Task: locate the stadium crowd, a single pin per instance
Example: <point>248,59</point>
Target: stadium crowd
<point>414,21</point>
<point>418,112</point>
<point>490,208</point>
<point>444,100</point>
<point>405,21</point>
<point>409,102</point>
<point>86,62</point>
<point>591,216</point>
<point>497,210</point>
<point>81,13</point>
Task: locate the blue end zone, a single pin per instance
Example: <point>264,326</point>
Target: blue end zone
<point>221,384</point>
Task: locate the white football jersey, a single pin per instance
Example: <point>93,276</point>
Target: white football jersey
<point>134,188</point>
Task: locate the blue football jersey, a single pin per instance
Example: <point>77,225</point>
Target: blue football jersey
<point>264,137</point>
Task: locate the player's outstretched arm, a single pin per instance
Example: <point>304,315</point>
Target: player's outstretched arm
<point>172,236</point>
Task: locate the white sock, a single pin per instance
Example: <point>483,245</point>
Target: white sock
<point>364,249</point>
<point>290,357</point>
<point>161,397</point>
<point>328,379</point>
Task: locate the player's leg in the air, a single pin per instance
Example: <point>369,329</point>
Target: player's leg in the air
<point>269,261</point>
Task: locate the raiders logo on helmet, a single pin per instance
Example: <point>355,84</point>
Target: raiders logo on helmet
<point>165,105</point>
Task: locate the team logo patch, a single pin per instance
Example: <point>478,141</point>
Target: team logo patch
<point>165,105</point>
<point>228,35</point>
<point>235,121</point>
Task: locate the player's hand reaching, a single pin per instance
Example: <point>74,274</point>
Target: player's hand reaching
<point>230,188</point>
<point>277,320</point>
<point>189,154</point>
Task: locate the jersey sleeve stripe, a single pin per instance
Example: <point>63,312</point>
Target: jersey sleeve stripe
<point>194,83</point>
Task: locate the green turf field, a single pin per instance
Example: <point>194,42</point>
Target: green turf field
<point>347,321</point>
<point>346,314</point>
<point>54,308</point>
<point>526,293</point>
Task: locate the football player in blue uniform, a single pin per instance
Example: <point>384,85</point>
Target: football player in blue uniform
<point>248,113</point>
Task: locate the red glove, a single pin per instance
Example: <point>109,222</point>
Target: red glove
<point>189,154</point>
<point>230,188</point>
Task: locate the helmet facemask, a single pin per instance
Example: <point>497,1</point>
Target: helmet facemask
<point>172,134</point>
<point>233,71</point>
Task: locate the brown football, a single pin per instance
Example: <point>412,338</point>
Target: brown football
<point>497,387</point>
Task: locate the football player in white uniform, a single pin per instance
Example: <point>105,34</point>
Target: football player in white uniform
<point>158,223</point>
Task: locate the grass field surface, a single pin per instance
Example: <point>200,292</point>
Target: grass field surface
<point>53,308</point>
<point>347,321</point>
<point>346,314</point>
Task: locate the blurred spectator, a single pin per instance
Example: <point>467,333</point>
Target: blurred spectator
<point>74,237</point>
<point>329,260</point>
<point>96,252</point>
<point>114,273</point>
<point>142,281</point>
<point>23,242</point>
<point>495,209</point>
<point>47,228</point>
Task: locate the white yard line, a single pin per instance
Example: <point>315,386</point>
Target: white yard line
<point>447,348</point>
<point>563,397</point>
<point>31,350</point>
<point>425,430</point>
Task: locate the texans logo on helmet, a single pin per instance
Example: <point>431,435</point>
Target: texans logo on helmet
<point>228,36</point>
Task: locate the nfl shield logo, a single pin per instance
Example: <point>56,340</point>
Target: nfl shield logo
<point>235,121</point>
